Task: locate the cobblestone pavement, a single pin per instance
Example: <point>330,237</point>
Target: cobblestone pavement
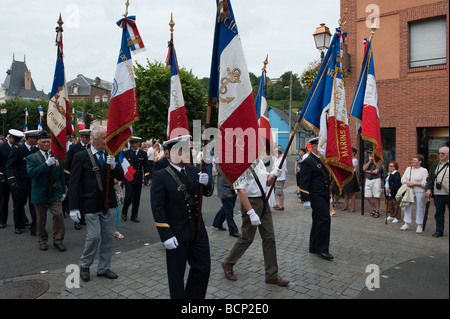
<point>356,242</point>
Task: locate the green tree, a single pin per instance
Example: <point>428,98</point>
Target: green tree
<point>153,85</point>
<point>15,116</point>
<point>91,110</point>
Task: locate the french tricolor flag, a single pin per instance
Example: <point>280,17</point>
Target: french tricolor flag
<point>123,108</point>
<point>239,144</point>
<point>128,170</point>
<point>262,111</point>
<point>177,119</point>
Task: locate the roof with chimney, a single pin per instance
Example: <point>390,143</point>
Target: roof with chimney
<point>85,85</point>
<point>15,83</point>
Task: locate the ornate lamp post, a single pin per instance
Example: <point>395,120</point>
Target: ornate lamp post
<point>322,38</point>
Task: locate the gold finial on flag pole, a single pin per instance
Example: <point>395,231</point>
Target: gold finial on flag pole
<point>60,21</point>
<point>127,4</point>
<point>373,29</point>
<point>171,24</point>
<point>342,20</point>
<point>266,61</point>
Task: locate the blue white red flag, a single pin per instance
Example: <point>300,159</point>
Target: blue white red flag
<point>365,104</point>
<point>26,113</point>
<point>41,112</point>
<point>239,143</point>
<point>262,112</point>
<point>128,170</point>
<point>25,127</point>
<point>177,122</point>
<point>325,112</point>
<point>58,113</point>
<point>123,108</point>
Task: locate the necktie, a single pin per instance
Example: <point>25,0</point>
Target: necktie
<point>183,172</point>
<point>46,155</point>
<point>100,159</point>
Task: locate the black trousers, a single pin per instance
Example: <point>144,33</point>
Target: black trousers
<point>4,200</point>
<point>319,239</point>
<point>132,196</point>
<point>20,198</point>
<point>197,254</point>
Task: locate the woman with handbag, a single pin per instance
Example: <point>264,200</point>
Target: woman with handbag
<point>415,177</point>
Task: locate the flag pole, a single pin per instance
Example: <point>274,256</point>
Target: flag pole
<point>108,167</point>
<point>361,142</point>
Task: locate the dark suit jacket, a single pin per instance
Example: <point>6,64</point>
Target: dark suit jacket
<point>5,149</point>
<point>84,193</point>
<point>173,215</point>
<point>39,174</point>
<point>162,163</point>
<point>16,166</point>
<point>140,163</point>
<point>73,149</point>
<point>312,181</point>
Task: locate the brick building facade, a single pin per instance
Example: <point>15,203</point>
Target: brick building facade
<point>413,93</point>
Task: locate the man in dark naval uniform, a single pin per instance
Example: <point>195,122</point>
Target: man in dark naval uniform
<point>84,144</point>
<point>138,160</point>
<point>12,139</point>
<point>315,192</point>
<point>175,193</point>
<point>20,182</point>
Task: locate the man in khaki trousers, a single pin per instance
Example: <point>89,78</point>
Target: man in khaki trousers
<point>255,216</point>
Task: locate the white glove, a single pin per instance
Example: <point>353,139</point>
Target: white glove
<point>203,178</point>
<point>307,205</point>
<point>254,218</point>
<point>276,172</point>
<point>75,215</point>
<point>51,161</point>
<point>111,161</point>
<point>171,243</point>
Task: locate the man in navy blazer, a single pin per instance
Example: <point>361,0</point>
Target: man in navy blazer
<point>176,215</point>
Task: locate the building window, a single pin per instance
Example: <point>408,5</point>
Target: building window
<point>105,98</point>
<point>428,42</point>
<point>97,99</point>
<point>74,89</point>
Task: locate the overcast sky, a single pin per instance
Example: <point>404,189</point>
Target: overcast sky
<point>282,29</point>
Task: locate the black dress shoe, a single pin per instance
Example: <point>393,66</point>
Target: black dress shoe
<point>124,217</point>
<point>84,274</point>
<point>43,246</point>
<point>237,235</point>
<point>220,227</point>
<point>18,231</point>
<point>108,274</point>
<point>2,225</point>
<point>326,256</point>
<point>135,220</point>
<point>77,226</point>
<point>60,247</point>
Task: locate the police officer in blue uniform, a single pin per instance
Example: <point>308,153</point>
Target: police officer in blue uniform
<point>138,160</point>
<point>315,183</point>
<point>175,193</point>
<point>20,182</point>
<point>13,138</point>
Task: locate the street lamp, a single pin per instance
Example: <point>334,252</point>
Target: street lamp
<point>322,38</point>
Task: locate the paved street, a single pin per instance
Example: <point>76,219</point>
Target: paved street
<point>411,265</point>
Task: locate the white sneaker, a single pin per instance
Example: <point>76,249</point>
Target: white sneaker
<point>390,218</point>
<point>395,221</point>
<point>404,227</point>
<point>419,229</point>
